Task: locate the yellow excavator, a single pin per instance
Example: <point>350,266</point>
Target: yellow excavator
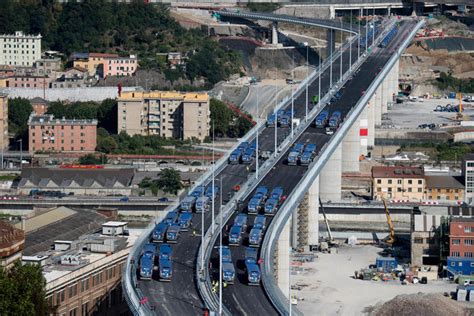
<point>391,238</point>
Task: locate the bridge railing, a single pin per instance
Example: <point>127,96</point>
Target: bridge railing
<point>281,218</point>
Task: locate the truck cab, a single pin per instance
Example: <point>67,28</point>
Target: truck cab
<point>234,157</point>
<point>149,251</point>
<point>322,119</point>
<point>146,268</point>
<point>306,158</point>
<point>262,191</point>
<point>171,218</point>
<point>254,205</point>
<point>335,120</point>
<point>241,220</point>
<point>270,206</point>
<point>212,192</point>
<point>248,156</point>
<point>228,272</point>
<point>187,204</point>
<point>166,270</point>
<point>172,234</point>
<point>226,254</point>
<point>202,204</point>
<point>260,221</point>
<point>253,273</point>
<point>255,237</point>
<point>311,148</point>
<point>293,158</point>
<point>235,235</point>
<point>199,191</point>
<point>251,255</point>
<point>270,120</point>
<point>277,193</point>
<point>165,252</point>
<point>159,232</point>
<point>184,220</point>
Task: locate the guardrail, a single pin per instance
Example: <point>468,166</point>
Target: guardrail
<point>203,277</point>
<point>268,246</point>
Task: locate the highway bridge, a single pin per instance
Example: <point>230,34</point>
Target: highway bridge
<point>368,79</point>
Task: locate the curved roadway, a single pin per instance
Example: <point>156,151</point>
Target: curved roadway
<point>239,298</point>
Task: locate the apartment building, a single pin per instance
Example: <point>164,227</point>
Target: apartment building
<point>444,188</point>
<point>461,237</point>
<point>104,65</point>
<point>467,167</point>
<point>47,133</point>
<point>4,121</point>
<point>167,114</point>
<point>398,183</point>
<point>83,276</point>
<point>19,49</point>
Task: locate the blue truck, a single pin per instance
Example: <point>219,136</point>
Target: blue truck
<point>248,156</point>
<point>251,255</point>
<point>260,221</point>
<point>253,273</point>
<point>335,120</point>
<point>146,268</point>
<point>172,233</point>
<point>255,237</point>
<point>202,204</point>
<point>226,254</point>
<point>271,119</point>
<point>322,119</point>
<point>159,232</point>
<point>277,193</point>
<point>261,191</point>
<point>388,38</point>
<point>235,156</point>
<point>166,270</point>
<point>184,220</point>
<point>306,158</point>
<point>228,272</point>
<point>212,192</point>
<point>241,220</point>
<point>235,235</point>
<point>165,252</point>
<point>254,205</point>
<point>292,158</point>
<point>187,204</point>
<point>199,191</point>
<point>171,218</point>
<point>310,148</point>
<point>270,206</point>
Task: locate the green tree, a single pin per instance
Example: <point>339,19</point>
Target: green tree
<point>19,110</point>
<point>91,159</point>
<point>169,181</point>
<point>106,144</point>
<point>23,291</point>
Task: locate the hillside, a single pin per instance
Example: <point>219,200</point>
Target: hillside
<point>135,28</point>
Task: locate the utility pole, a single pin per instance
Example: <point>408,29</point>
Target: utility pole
<point>21,154</point>
<point>350,46</point>
<point>330,61</point>
<point>340,70</point>
<point>307,75</point>
<point>220,250</point>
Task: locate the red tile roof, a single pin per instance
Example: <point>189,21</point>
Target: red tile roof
<point>398,172</point>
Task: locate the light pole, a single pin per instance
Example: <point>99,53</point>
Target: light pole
<point>358,46</point>
<point>340,70</point>
<point>276,120</point>
<point>330,60</point>
<point>373,24</point>
<point>350,46</point>
<point>257,155</point>
<point>213,176</point>
<point>220,250</point>
<point>289,279</point>
<point>319,77</point>
<point>292,91</point>
<point>307,74</point>
<point>366,31</point>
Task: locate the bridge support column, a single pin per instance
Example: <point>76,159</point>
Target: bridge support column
<point>363,131</point>
<point>331,41</point>
<point>274,33</point>
<point>330,177</point>
<point>313,213</point>
<point>385,94</point>
<point>284,259</point>
<point>396,68</point>
<point>378,106</point>
<point>351,150</point>
<point>371,122</point>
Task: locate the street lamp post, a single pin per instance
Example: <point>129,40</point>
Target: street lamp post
<point>257,155</point>
<point>319,77</point>
<point>213,176</point>
<point>307,74</point>
<point>220,251</point>
<point>358,46</point>
<point>340,70</point>
<point>292,91</point>
<point>330,60</point>
<point>350,46</point>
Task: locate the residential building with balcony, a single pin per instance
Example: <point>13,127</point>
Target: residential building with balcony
<point>167,114</point>
<point>19,49</point>
<point>398,183</point>
<point>47,133</point>
<point>461,246</point>
<point>104,65</point>
<point>467,167</point>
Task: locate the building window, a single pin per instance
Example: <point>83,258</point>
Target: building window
<point>418,240</point>
<point>72,290</point>
<point>420,181</point>
<point>73,312</point>
<point>409,189</point>
<point>85,309</point>
<point>399,181</point>
<point>390,190</point>
<point>379,181</point>
<point>420,189</point>
<point>399,189</point>
<point>468,254</point>
<point>389,181</point>
<point>410,181</point>
<point>455,253</point>
<point>467,229</point>
<point>468,242</point>
<point>456,241</point>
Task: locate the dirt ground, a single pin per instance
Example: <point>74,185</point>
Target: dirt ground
<point>326,285</point>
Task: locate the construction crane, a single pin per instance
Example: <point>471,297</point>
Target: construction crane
<point>391,238</point>
<point>330,240</point>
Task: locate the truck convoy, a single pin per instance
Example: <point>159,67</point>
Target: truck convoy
<point>274,201</point>
<point>147,261</point>
<point>322,119</point>
<point>334,122</point>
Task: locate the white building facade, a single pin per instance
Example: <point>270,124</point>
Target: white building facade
<point>19,49</point>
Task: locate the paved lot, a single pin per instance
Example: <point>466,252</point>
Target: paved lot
<point>328,287</point>
<point>411,114</point>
